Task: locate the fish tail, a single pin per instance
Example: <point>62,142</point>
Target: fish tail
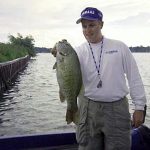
<point>72,116</point>
<point>76,117</point>
<point>69,116</point>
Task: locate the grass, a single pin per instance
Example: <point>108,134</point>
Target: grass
<point>9,52</point>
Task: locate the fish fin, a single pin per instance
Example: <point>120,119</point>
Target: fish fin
<point>61,96</point>
<point>55,65</point>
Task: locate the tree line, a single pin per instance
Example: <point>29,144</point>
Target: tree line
<point>140,49</point>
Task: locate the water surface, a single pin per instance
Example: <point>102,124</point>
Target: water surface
<point>32,105</point>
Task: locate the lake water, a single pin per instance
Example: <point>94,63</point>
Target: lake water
<point>32,105</point>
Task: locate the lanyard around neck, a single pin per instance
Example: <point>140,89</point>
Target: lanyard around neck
<point>98,66</point>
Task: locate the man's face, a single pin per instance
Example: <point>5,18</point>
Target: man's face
<point>92,30</point>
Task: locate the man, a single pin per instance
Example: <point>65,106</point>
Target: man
<point>104,111</point>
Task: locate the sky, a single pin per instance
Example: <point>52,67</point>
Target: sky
<point>50,21</point>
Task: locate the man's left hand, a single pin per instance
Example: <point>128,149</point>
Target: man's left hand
<point>138,117</point>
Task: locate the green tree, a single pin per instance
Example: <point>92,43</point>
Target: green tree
<point>27,42</point>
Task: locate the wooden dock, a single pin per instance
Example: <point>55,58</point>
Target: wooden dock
<point>9,71</point>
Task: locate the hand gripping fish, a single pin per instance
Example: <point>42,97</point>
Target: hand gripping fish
<point>68,76</point>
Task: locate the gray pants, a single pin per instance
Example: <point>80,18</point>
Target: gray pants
<point>104,126</point>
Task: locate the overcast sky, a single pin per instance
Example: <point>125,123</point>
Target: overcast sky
<point>49,21</point>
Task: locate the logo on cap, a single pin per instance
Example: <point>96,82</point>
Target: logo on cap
<point>87,12</point>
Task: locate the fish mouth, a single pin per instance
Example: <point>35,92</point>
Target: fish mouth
<point>54,51</point>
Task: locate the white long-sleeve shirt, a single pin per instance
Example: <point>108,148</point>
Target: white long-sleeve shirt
<point>116,62</point>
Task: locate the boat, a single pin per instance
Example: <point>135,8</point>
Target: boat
<point>66,141</point>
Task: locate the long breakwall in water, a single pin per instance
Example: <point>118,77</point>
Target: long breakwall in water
<point>9,70</point>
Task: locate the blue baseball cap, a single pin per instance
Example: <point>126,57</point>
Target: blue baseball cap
<point>90,13</point>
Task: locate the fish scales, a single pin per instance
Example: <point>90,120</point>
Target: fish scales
<point>69,77</point>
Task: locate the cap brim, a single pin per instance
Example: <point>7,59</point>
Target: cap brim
<point>87,18</point>
<point>78,21</point>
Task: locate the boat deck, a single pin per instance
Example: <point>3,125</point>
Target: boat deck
<point>66,141</point>
<point>60,141</point>
<point>63,147</point>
